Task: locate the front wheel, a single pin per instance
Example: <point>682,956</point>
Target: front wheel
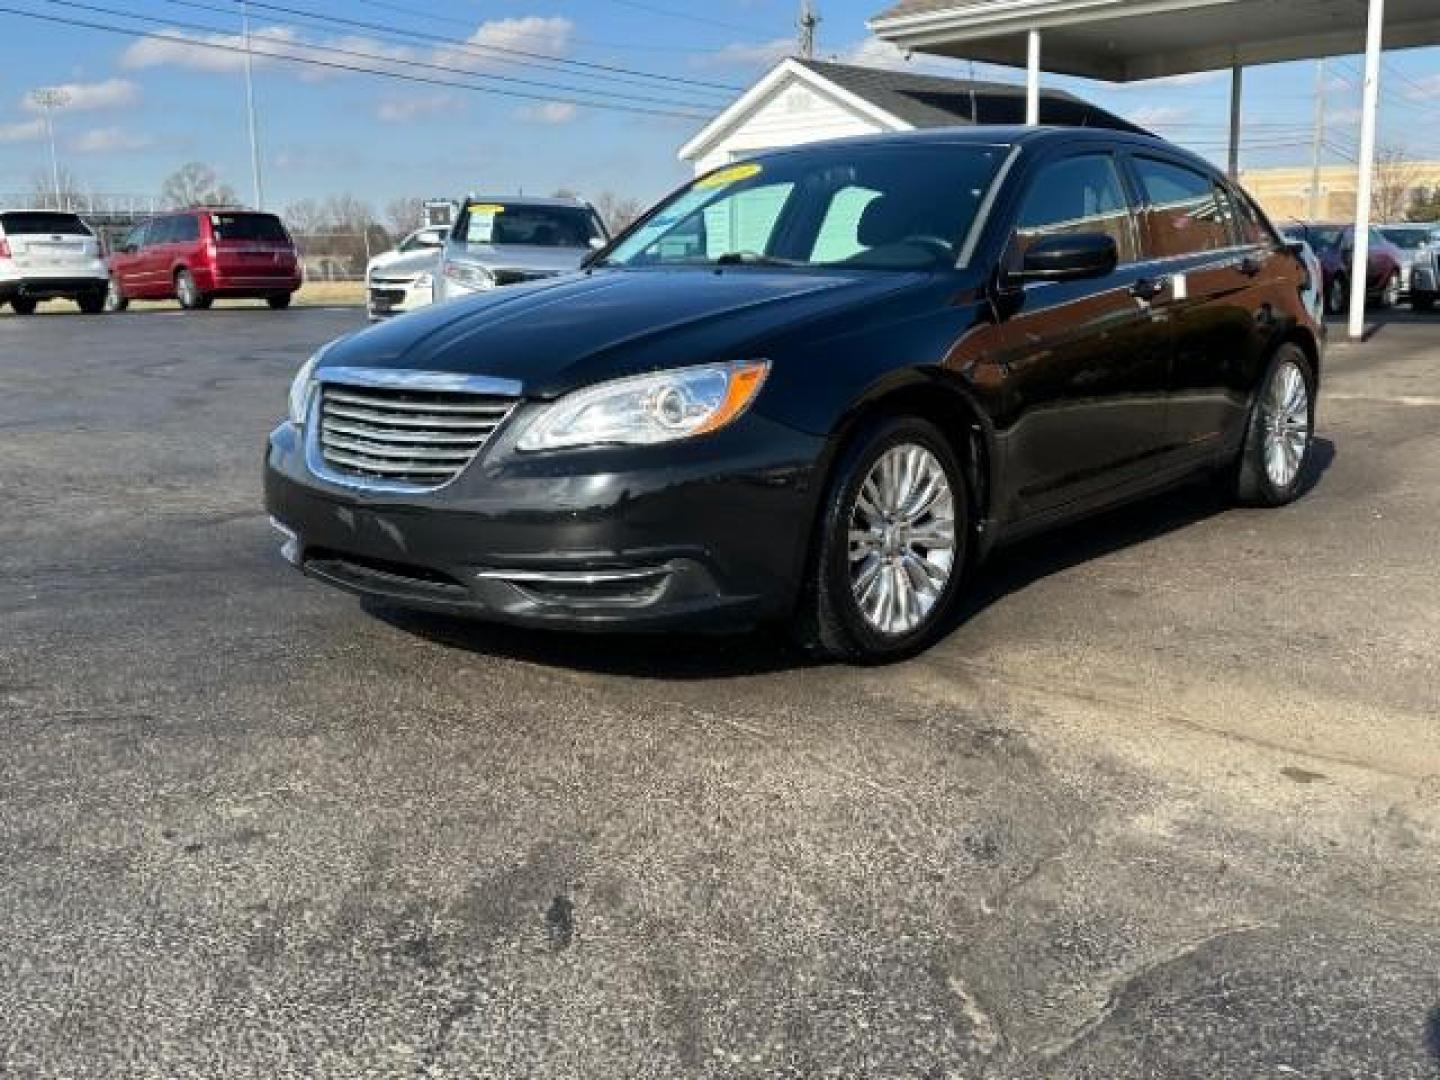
<point>891,546</point>
<point>92,303</point>
<point>1390,293</point>
<point>1281,431</point>
<point>278,301</point>
<point>1337,296</point>
<point>24,305</point>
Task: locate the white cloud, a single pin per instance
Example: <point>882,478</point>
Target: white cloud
<point>109,140</point>
<point>403,110</point>
<point>206,52</point>
<point>746,54</point>
<point>551,112</point>
<point>109,94</point>
<point>23,131</point>
<point>1193,78</point>
<point>1159,116</point>
<point>1426,88</point>
<point>531,34</point>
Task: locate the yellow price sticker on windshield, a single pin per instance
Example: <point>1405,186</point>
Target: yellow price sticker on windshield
<point>734,174</point>
<point>486,208</point>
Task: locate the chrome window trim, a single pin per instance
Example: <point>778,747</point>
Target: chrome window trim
<point>987,205</point>
<point>392,379</point>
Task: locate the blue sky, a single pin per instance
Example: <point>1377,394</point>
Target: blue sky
<point>142,107</point>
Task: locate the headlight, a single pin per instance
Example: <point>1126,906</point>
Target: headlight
<point>422,281</point>
<point>469,275</point>
<point>649,409</point>
<point>303,388</point>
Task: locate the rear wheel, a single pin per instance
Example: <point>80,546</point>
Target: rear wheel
<point>24,305</point>
<point>1281,431</point>
<point>278,301</point>
<point>115,298</point>
<point>891,546</point>
<point>92,303</point>
<point>189,294</point>
<point>1423,303</point>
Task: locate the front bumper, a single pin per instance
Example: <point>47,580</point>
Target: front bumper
<point>710,533</point>
<point>51,286</point>
<point>387,297</point>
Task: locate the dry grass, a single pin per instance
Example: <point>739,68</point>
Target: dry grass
<point>311,294</point>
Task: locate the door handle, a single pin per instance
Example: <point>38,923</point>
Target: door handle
<point>1148,289</point>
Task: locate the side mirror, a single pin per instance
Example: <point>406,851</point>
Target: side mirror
<point>429,240</point>
<point>1296,248</point>
<point>596,243</point>
<point>1070,257</point>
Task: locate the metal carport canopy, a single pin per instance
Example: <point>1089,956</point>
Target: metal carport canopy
<point>1126,40</point>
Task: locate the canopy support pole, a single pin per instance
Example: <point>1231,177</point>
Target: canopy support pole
<point>1237,83</point>
<point>1359,278</point>
<point>1032,80</point>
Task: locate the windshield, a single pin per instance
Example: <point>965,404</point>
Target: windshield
<point>1409,239</point>
<point>881,207</point>
<point>1323,236</point>
<point>248,227</point>
<point>41,222</point>
<point>505,223</point>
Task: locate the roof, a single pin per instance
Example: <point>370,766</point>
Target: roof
<point>899,100</point>
<point>1123,40</point>
<point>526,200</point>
<point>940,101</point>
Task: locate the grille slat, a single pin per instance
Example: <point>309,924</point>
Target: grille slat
<point>422,438</point>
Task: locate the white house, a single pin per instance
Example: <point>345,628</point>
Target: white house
<point>801,101</point>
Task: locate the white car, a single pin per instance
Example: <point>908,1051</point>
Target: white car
<point>50,255</point>
<point>404,279</point>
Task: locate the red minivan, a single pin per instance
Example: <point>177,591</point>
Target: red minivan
<point>197,255</point>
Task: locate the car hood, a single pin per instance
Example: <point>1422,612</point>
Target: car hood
<point>519,256</point>
<point>395,264</point>
<point>552,337</point>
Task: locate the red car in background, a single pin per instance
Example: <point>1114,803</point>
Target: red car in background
<point>195,256</point>
<point>1334,246</point>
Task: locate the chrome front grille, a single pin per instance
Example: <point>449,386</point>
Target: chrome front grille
<point>403,436</point>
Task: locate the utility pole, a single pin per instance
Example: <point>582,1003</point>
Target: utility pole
<point>50,99</point>
<point>250,109</point>
<point>1318,139</point>
<point>807,24</point>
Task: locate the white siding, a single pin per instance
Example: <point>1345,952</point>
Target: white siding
<point>794,113</point>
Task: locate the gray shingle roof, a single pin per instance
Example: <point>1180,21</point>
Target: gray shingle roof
<point>939,101</point>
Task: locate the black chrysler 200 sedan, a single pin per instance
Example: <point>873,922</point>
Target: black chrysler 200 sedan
<point>814,386</point>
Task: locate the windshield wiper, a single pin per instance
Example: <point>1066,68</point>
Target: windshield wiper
<point>753,258</point>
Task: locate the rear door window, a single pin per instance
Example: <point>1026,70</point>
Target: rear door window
<point>43,223</point>
<point>187,229</point>
<point>160,232</point>
<point>1186,211</point>
<point>1082,194</point>
<point>254,227</point>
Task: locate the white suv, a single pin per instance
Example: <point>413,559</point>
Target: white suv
<point>49,255</point>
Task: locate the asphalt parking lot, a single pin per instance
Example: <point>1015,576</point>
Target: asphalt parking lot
<point>1166,805</point>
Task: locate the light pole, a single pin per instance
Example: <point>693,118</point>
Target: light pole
<point>250,109</point>
<point>51,98</point>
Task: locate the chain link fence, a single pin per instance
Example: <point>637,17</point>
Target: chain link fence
<point>337,256</point>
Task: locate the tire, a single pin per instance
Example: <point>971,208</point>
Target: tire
<point>1273,434</point>
<point>189,294</point>
<point>1389,293</point>
<point>92,303</point>
<point>1337,297</point>
<point>833,620</point>
<point>1423,303</point>
<point>115,298</point>
<point>24,305</point>
<point>278,301</point>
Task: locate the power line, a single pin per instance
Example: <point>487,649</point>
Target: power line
<point>655,9</point>
<point>507,50</point>
<point>337,66</point>
<point>305,47</point>
<point>452,46</point>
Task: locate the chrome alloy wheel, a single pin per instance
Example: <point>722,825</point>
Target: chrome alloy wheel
<point>1391,296</point>
<point>1286,422</point>
<point>902,539</point>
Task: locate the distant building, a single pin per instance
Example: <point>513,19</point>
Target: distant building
<point>1285,192</point>
<point>802,101</point>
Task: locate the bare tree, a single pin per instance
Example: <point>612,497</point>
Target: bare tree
<point>43,195</point>
<point>196,184</point>
<point>617,211</point>
<point>336,236</point>
<point>1425,205</point>
<point>565,193</point>
<point>404,216</point>
<point>1396,177</point>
